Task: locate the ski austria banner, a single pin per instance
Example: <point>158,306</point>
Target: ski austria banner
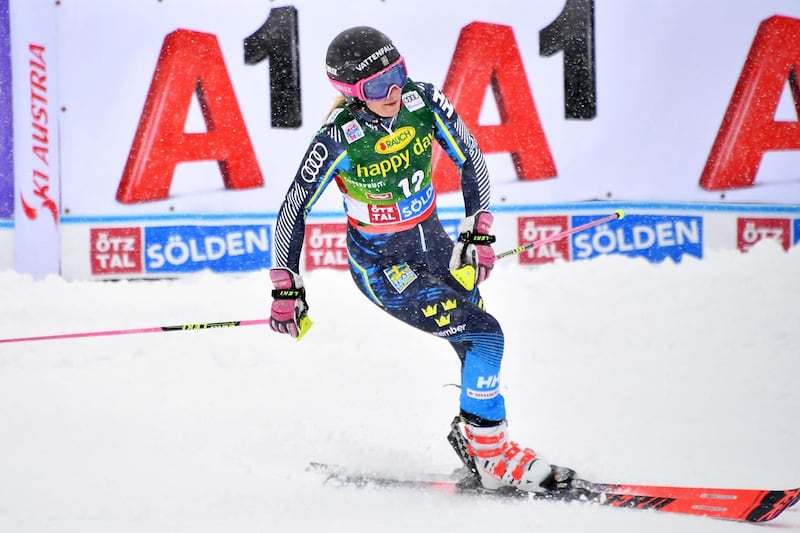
<point>36,149</point>
<point>182,123</point>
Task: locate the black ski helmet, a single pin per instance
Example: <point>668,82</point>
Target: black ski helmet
<point>358,53</point>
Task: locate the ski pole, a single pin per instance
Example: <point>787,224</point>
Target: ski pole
<point>618,214</point>
<point>467,275</point>
<point>463,275</point>
<point>159,329</point>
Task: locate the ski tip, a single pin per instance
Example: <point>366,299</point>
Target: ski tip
<point>772,504</point>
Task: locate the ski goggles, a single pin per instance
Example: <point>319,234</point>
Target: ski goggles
<point>377,86</point>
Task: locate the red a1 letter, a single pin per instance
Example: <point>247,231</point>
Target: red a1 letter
<point>749,128</point>
<point>190,62</point>
<point>488,54</point>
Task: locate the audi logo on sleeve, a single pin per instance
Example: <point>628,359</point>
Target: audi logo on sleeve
<point>313,163</point>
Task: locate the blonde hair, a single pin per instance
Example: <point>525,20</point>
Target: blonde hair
<point>339,100</point>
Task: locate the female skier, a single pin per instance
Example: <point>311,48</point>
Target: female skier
<point>376,145</point>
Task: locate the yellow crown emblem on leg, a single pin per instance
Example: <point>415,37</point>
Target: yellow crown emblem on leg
<point>443,320</point>
<point>449,305</point>
<point>430,310</point>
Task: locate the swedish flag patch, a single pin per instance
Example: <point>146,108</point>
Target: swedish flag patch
<point>400,276</point>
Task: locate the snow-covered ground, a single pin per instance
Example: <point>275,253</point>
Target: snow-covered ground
<point>627,371</point>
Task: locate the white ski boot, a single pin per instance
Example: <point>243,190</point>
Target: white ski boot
<point>497,461</point>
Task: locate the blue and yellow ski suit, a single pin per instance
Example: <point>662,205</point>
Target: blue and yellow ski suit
<point>398,251</point>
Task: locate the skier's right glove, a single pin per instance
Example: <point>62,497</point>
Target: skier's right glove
<point>289,312</point>
<point>473,257</point>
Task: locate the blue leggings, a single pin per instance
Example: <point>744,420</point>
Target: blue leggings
<point>407,275</point>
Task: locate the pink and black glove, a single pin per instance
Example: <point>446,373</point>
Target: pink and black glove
<point>289,306</point>
<point>474,245</point>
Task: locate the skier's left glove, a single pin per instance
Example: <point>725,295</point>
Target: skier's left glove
<point>474,246</point>
<point>289,312</point>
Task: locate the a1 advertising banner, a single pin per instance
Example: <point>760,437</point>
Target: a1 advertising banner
<point>196,108</point>
<point>571,100</point>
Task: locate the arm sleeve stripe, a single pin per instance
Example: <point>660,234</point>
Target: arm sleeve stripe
<point>444,128</point>
<point>325,180</point>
